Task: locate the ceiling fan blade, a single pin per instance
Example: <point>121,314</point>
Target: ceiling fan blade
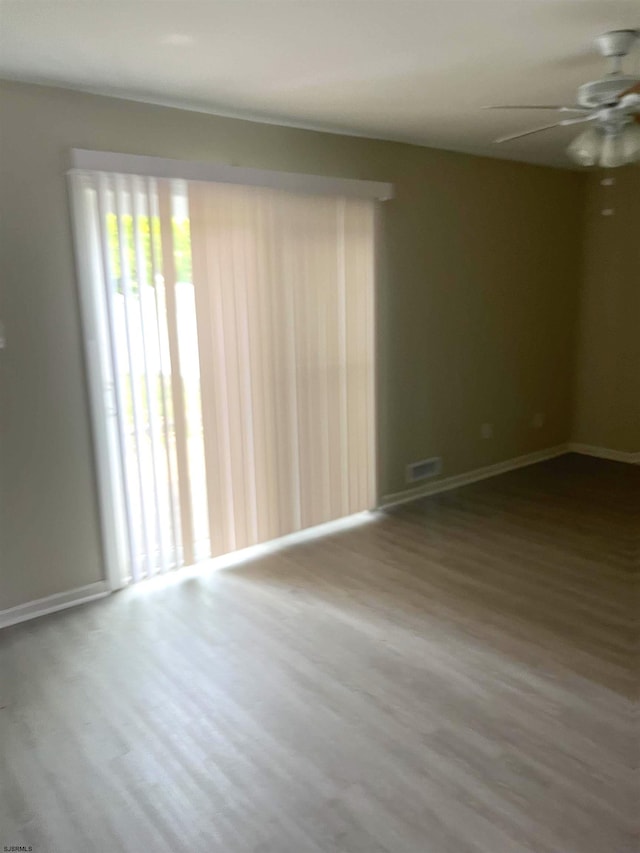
<point>634,90</point>
<point>527,132</point>
<point>538,107</point>
<point>568,121</point>
<point>564,123</point>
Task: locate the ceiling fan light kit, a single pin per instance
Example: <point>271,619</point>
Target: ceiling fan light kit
<point>585,149</point>
<point>599,147</point>
<point>631,139</point>
<point>612,104</point>
<point>612,153</point>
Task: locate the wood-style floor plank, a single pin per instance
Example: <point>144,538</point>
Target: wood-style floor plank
<point>459,675</point>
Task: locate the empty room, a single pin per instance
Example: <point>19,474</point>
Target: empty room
<point>319,426</point>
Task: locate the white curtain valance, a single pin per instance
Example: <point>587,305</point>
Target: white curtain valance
<point>193,170</point>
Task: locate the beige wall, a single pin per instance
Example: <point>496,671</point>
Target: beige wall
<point>608,377</point>
<point>477,307</point>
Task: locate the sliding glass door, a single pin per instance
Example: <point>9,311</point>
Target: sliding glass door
<point>230,335</point>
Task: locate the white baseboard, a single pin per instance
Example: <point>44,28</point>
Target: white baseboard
<point>605,453</point>
<point>454,482</point>
<point>52,603</point>
<point>93,591</point>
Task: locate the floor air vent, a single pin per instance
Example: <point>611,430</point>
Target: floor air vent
<point>424,469</point>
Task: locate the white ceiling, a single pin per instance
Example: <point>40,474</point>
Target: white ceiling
<point>414,71</point>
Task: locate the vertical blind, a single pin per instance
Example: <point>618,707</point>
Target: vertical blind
<point>233,332</point>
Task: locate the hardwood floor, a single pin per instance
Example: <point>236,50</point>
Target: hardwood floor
<point>459,675</point>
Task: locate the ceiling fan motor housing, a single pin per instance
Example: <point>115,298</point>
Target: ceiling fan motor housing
<point>605,92</point>
<point>617,42</point>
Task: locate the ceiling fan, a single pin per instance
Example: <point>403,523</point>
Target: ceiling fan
<point>611,106</point>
